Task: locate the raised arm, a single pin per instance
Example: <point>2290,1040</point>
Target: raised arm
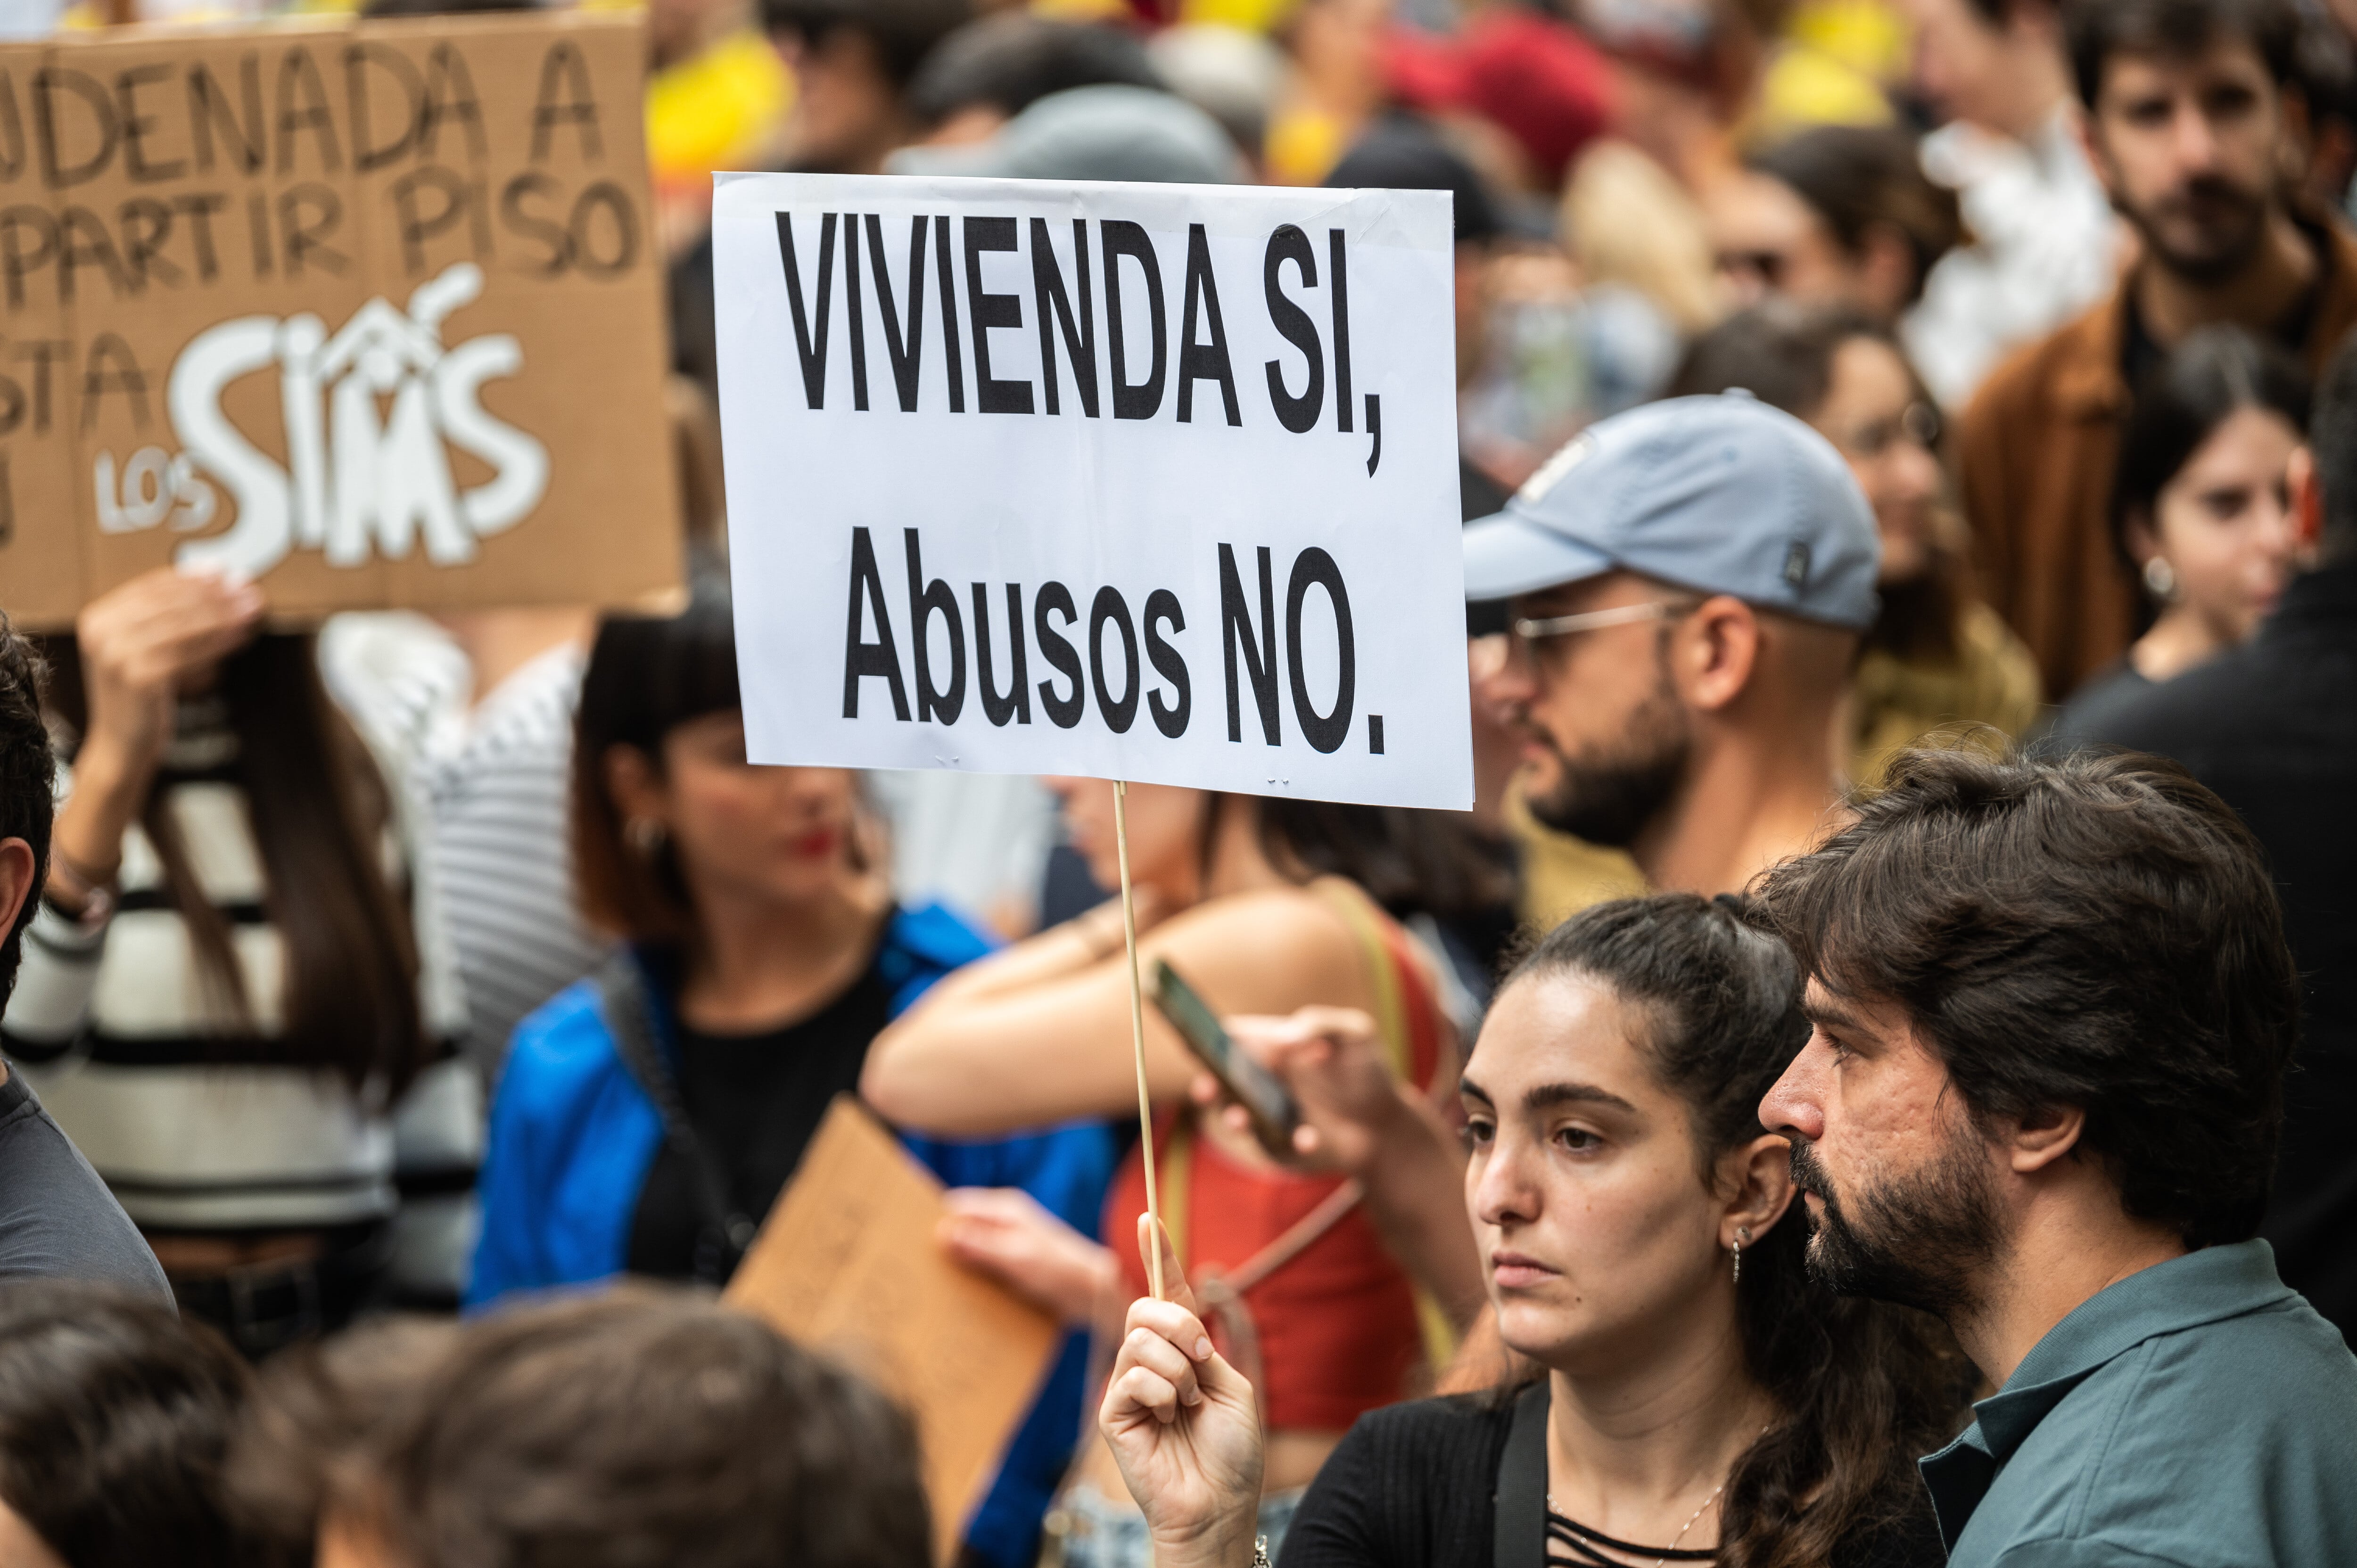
<point>982,1054</point>
<point>139,643</point>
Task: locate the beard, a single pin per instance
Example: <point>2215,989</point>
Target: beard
<point>1607,796</point>
<point>1920,1241</point>
<point>2228,225</point>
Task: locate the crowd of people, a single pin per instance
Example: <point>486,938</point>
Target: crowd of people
<point>1864,1086</point>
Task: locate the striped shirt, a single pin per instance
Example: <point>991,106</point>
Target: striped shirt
<point>490,792</point>
<point>499,808</point>
<point>178,1102</point>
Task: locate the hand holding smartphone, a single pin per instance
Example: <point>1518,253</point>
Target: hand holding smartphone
<point>1261,1092</point>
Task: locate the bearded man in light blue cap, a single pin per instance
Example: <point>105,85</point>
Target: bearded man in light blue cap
<point>1688,583</point>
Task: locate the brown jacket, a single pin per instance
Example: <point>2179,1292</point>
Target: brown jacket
<point>2037,451</point>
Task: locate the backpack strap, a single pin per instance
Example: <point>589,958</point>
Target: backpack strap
<point>724,1234</point>
<point>1520,1539</point>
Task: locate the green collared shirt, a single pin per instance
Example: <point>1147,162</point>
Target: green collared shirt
<point>2197,1414</point>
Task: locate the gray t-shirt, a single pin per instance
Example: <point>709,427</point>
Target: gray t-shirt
<point>56,1219</point>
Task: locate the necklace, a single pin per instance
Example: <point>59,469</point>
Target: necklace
<point>1585,1541</point>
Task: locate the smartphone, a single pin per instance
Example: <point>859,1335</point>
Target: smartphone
<point>1259,1091</point>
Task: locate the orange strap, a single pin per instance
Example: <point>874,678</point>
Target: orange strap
<point>1177,1192</point>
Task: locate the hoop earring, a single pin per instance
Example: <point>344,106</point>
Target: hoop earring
<point>1734,1248</point>
<point>646,836</point>
<point>2160,578</point>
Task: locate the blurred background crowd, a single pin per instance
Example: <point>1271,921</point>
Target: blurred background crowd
<point>414,962</point>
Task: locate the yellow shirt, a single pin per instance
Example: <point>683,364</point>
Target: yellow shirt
<point>1899,703</point>
<point>716,110</point>
<point>1561,874</point>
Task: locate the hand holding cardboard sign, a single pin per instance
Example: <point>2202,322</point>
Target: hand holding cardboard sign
<point>1008,1235</point>
<point>140,644</point>
<point>849,1261</point>
<point>1184,1426</point>
<point>395,341</point>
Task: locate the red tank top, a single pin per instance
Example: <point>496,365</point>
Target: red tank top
<point>1339,1323</point>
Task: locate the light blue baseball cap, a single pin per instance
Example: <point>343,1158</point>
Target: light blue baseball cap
<point>1720,494</point>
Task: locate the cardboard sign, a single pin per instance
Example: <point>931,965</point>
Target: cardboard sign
<point>848,1262</point>
<point>1147,482</point>
<point>371,312</point>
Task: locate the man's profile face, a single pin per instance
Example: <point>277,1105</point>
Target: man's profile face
<point>1895,1180</point>
<point>1606,737</point>
<point>2190,148</point>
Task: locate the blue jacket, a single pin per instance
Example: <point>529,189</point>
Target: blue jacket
<point>572,1138</point>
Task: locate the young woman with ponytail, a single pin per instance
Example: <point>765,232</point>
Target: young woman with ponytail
<point>1687,1394</point>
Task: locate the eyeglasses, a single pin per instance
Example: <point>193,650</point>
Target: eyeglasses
<point>1918,422</point>
<point>1532,631</point>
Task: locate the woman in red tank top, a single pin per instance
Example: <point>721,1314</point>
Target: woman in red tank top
<point>1265,906</point>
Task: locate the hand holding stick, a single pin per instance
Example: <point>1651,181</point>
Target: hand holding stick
<point>1184,1426</point>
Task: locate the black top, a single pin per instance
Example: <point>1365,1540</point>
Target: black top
<point>2140,353</point>
<point>2094,707</point>
<point>756,1101</point>
<point>56,1219</point>
<point>1411,1486</point>
<point>1571,1544</point>
<point>2272,726</point>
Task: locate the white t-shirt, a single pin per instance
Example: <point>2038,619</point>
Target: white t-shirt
<point>2046,247</point>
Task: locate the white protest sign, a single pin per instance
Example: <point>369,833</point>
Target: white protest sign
<point>1136,481</point>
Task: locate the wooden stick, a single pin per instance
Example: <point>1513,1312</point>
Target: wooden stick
<point>1137,1032</point>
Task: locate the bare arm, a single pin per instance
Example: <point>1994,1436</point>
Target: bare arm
<point>987,1055</point>
<point>1087,938</point>
<point>1415,1196</point>
<point>138,643</point>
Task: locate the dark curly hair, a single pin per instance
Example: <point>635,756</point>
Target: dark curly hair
<point>1864,1386</point>
<point>114,1418</point>
<point>2091,930</point>
<point>639,1425</point>
<point>28,778</point>
<point>2096,30</point>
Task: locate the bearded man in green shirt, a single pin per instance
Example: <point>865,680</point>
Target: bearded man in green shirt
<point>2052,1007</point>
